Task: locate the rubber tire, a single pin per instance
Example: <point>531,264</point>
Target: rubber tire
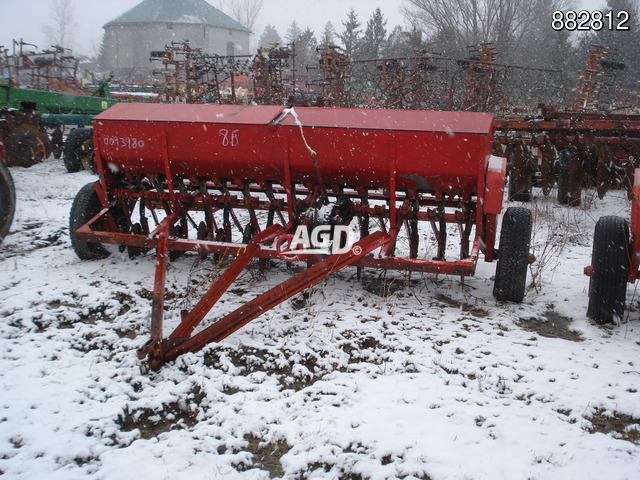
<point>73,148</point>
<point>85,206</point>
<point>513,256</point>
<point>27,146</point>
<point>7,200</point>
<point>610,261</point>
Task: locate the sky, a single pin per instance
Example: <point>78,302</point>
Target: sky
<point>25,18</point>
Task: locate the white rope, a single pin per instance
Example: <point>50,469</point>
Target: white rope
<point>294,114</point>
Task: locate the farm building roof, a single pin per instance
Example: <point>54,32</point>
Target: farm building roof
<point>178,11</point>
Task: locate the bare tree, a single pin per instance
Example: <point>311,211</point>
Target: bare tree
<point>60,29</point>
<point>245,12</point>
<point>460,23</point>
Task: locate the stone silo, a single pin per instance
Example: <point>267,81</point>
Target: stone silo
<point>152,24</point>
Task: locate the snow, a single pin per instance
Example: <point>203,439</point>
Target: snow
<point>190,19</point>
<point>495,164</point>
<point>434,380</point>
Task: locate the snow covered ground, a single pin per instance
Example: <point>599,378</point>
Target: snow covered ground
<point>428,379</point>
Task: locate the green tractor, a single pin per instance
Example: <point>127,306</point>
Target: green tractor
<point>27,115</point>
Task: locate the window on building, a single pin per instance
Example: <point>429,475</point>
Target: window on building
<point>231,48</point>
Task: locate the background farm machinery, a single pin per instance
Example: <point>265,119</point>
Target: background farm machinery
<point>575,150</point>
<point>590,139</point>
<point>328,187</point>
<point>591,143</point>
<point>27,115</point>
<point>40,95</point>
<point>55,69</point>
<point>577,135</point>
<point>192,76</point>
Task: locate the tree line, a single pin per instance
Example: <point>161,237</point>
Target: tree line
<point>521,32</point>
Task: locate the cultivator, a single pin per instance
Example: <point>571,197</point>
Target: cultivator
<point>575,150</point>
<point>333,65</point>
<point>193,76</point>
<point>328,187</point>
<point>40,93</point>
<point>269,65</point>
<point>592,143</point>
<point>597,80</point>
<point>51,70</point>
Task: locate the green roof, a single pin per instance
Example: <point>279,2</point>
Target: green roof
<point>178,11</point>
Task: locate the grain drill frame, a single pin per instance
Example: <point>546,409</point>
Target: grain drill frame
<point>240,181</point>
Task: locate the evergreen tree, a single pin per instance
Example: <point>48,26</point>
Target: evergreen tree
<point>403,43</point>
<point>542,48</point>
<point>101,54</point>
<point>328,36</point>
<point>305,47</point>
<point>623,44</point>
<point>395,44</point>
<point>545,47</point>
<point>445,42</point>
<point>269,36</point>
<point>413,40</point>
<point>375,36</point>
<point>293,32</point>
<point>306,51</point>
<point>350,36</point>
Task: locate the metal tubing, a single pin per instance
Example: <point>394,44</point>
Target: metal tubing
<point>167,172</point>
<point>153,348</point>
<point>276,295</point>
<point>191,319</point>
